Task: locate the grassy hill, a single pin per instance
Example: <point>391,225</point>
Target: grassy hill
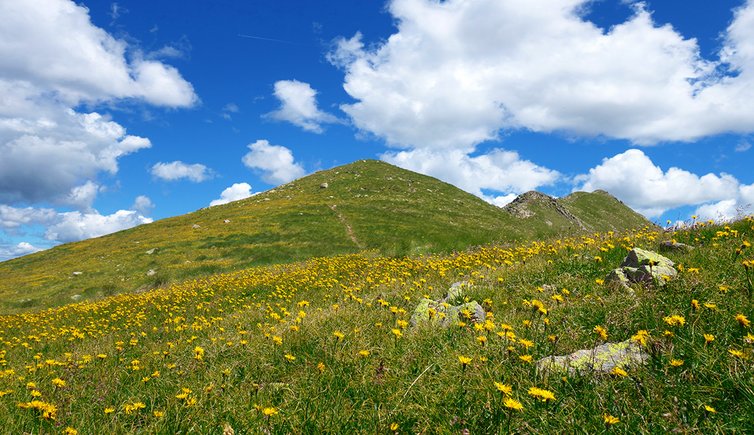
<point>367,205</point>
<point>326,346</point>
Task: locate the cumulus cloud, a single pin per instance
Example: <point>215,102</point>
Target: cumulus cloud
<point>143,205</point>
<point>59,61</point>
<point>178,170</point>
<point>633,178</point>
<point>69,226</point>
<point>298,105</point>
<point>457,72</point>
<point>12,251</point>
<point>73,226</point>
<point>499,170</point>
<point>13,218</point>
<point>275,163</point>
<point>729,209</point>
<point>233,193</point>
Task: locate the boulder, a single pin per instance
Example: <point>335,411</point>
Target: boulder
<point>444,315</point>
<point>600,359</point>
<point>642,266</point>
<point>324,186</point>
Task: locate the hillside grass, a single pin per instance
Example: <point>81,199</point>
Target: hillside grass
<point>324,346</point>
<point>367,206</point>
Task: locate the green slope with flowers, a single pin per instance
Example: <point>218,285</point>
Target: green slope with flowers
<point>326,346</point>
<point>366,206</point>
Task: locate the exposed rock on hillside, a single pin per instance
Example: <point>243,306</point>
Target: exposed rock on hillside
<point>602,359</point>
<point>526,204</point>
<point>641,266</point>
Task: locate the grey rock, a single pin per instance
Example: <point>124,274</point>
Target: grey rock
<point>151,251</point>
<point>324,186</point>
<point>600,359</point>
<point>151,272</point>
<point>670,245</point>
<point>77,273</point>
<point>196,226</point>
<point>642,266</point>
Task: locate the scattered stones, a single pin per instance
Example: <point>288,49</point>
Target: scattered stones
<point>324,186</point>
<point>443,313</point>
<point>151,272</point>
<point>642,266</point>
<point>75,297</point>
<point>600,359</point>
<point>196,226</point>
<point>151,251</point>
<point>77,273</point>
<point>672,245</point>
<point>227,221</point>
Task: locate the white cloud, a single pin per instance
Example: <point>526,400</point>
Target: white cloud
<point>58,61</point>
<point>83,196</point>
<point>228,111</point>
<point>73,226</point>
<point>233,193</point>
<point>743,146</point>
<point>729,209</point>
<point>275,162</point>
<point>499,170</point>
<point>178,170</point>
<point>143,205</point>
<point>12,251</point>
<point>57,48</point>
<point>12,218</point>
<point>457,72</point>
<point>634,179</point>
<point>298,105</point>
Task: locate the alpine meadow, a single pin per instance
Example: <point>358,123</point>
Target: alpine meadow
<point>376,217</point>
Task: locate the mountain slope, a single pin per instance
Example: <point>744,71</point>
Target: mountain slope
<point>366,205</point>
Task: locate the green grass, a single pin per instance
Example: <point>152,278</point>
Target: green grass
<point>245,323</point>
<point>369,205</point>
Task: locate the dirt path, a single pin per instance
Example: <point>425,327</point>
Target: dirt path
<point>349,230</point>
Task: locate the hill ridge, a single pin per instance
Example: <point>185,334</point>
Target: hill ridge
<point>364,205</point>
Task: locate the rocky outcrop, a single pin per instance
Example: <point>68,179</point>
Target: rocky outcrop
<point>600,359</point>
<point>443,313</point>
<point>642,267</point>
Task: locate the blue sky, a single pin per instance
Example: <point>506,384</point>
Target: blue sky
<point>114,114</point>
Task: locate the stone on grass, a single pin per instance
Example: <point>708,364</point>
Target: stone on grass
<point>671,245</point>
<point>444,315</point>
<point>642,266</point>
<point>600,359</point>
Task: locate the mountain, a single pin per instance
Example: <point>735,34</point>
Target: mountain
<point>367,205</point>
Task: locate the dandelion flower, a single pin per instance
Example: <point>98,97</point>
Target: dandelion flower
<point>464,360</point>
<point>609,419</point>
<point>541,394</point>
<point>270,411</point>
<point>513,404</point>
<point>504,388</point>
<point>601,332</point>
<point>743,320</point>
